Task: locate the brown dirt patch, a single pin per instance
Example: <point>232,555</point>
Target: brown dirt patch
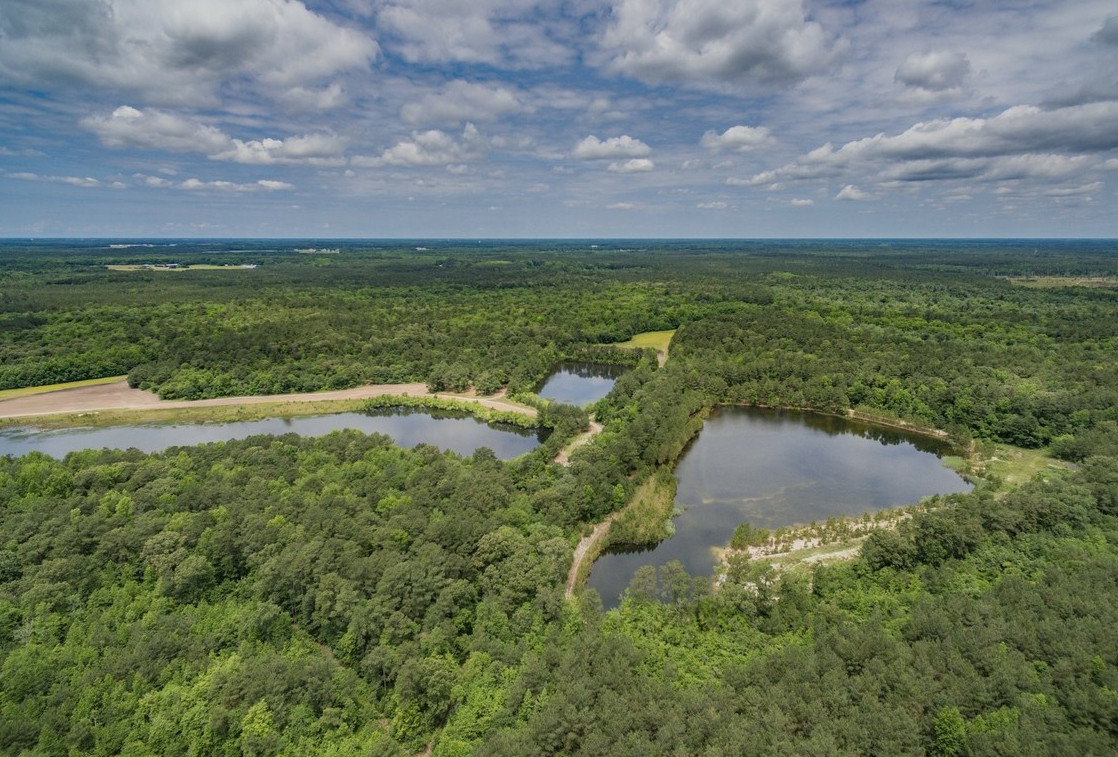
<point>120,396</point>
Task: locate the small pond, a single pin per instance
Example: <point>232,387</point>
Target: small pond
<point>408,427</point>
<point>780,468</point>
<point>580,384</point>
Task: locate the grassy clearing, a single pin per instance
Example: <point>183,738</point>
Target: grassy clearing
<point>27,391</point>
<point>647,519</point>
<point>657,340</point>
<point>1013,466</point>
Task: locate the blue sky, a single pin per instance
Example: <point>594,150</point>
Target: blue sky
<point>558,118</point>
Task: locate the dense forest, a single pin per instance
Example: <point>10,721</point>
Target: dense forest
<point>336,596</point>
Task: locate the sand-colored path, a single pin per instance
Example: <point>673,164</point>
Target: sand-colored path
<point>583,549</point>
<point>120,396</point>
<point>564,456</point>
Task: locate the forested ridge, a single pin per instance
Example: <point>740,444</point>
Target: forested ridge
<point>280,595</point>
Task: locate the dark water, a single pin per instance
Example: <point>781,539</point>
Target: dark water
<point>777,468</point>
<point>580,384</point>
<point>407,427</point>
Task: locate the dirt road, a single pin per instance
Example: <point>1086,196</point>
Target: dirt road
<point>563,458</point>
<point>583,549</point>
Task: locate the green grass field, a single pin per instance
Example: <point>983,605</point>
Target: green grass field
<point>1015,466</point>
<point>657,340</point>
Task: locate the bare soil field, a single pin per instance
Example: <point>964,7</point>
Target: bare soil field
<point>120,396</point>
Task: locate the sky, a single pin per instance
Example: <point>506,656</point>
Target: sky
<point>558,118</point>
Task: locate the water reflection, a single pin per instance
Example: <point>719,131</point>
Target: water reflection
<point>580,384</point>
<point>779,468</point>
<point>408,427</point>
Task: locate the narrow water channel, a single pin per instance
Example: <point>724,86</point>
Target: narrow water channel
<point>408,427</point>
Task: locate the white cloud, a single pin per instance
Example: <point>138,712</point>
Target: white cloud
<point>622,206</point>
<point>150,129</point>
<point>735,181</point>
<point>1020,129</point>
<point>633,165</point>
<point>304,98</point>
<point>738,138</point>
<point>851,192</point>
<point>274,186</point>
<point>1083,190</point>
<point>176,52</point>
<point>506,33</point>
<point>431,148</point>
<point>156,130</point>
<point>934,72</point>
<point>801,202</point>
<point>76,181</point>
<point>25,153</point>
<point>514,143</point>
<point>624,146</point>
<point>716,205</point>
<point>998,168</point>
<point>462,101</point>
<point>706,42</point>
<point>1020,142</point>
<point>310,149</point>
<point>197,185</point>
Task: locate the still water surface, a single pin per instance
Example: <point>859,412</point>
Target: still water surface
<point>580,384</point>
<point>407,427</point>
<point>778,468</point>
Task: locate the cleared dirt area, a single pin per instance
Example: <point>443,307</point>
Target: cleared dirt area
<point>120,396</point>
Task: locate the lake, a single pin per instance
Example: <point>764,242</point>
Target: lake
<point>408,427</point>
<point>780,468</point>
<point>580,384</point>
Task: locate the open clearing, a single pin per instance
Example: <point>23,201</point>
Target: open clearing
<point>172,267</point>
<point>27,391</point>
<point>118,396</point>
<point>1016,465</point>
<point>111,401</point>
<point>657,340</point>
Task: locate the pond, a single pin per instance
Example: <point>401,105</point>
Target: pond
<point>780,468</point>
<point>408,427</point>
<point>580,384</point>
